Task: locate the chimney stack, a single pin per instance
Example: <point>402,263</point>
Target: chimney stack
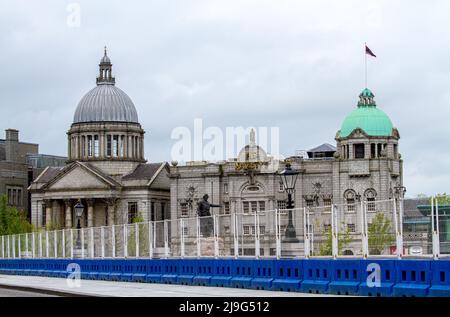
<point>12,145</point>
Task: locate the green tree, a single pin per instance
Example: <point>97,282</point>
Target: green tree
<point>380,235</point>
<point>143,237</point>
<point>343,240</point>
<point>12,220</point>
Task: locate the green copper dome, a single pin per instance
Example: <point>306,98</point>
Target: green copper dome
<point>367,117</point>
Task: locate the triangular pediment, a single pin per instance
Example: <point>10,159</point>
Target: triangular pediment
<point>78,176</point>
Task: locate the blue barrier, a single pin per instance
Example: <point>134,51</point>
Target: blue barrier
<point>341,276</point>
<point>170,271</point>
<point>381,287</point>
<point>223,273</point>
<point>187,272</point>
<point>440,283</point>
<point>242,273</point>
<point>345,277</point>
<point>413,278</point>
<point>316,276</point>
<point>154,271</point>
<point>288,275</point>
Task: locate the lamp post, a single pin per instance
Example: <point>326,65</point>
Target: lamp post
<point>289,178</point>
<point>79,208</point>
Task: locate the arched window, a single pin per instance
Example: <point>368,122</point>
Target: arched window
<point>350,199</point>
<point>370,195</point>
<point>348,252</point>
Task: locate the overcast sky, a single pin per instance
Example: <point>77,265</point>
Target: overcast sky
<point>298,65</point>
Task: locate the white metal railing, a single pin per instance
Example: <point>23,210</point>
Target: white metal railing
<point>328,231</point>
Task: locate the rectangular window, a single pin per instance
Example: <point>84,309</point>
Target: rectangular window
<point>351,227</point>
<point>108,145</point>
<point>14,196</point>
<point>184,210</point>
<point>246,230</point>
<point>254,205</point>
<point>89,145</point>
<point>371,204</point>
<point>326,227</point>
<point>281,204</point>
<point>132,211</point>
<point>245,206</point>
<point>359,151</point>
<point>225,188</point>
<point>350,204</point>
<point>280,187</point>
<point>226,207</point>
<point>309,203</point>
<point>262,230</point>
<point>262,206</point>
<point>44,215</point>
<point>379,148</point>
<point>372,150</point>
<point>96,146</point>
<point>115,146</point>
<point>395,151</point>
<point>185,231</point>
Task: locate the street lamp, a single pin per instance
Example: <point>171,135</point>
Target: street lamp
<point>400,191</point>
<point>79,208</point>
<point>289,178</point>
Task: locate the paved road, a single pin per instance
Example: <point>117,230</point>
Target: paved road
<point>6,292</point>
<point>107,288</point>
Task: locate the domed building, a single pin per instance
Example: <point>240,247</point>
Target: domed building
<point>365,166</point>
<point>106,170</point>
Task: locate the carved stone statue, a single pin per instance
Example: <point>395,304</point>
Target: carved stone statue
<point>206,224</point>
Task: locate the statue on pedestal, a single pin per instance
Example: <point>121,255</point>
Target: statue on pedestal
<point>206,222</point>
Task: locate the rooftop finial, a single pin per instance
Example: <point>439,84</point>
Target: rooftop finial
<point>105,50</point>
<point>252,137</point>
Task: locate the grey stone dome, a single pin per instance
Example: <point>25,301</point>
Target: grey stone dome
<point>105,102</point>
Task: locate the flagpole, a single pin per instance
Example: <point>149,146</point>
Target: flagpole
<point>365,64</point>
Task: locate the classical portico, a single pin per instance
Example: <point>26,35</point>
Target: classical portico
<point>106,170</point>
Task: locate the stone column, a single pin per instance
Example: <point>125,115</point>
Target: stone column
<point>111,212</point>
<point>90,215</point>
<point>48,212</point>
<point>68,215</point>
<point>102,144</point>
<point>130,147</point>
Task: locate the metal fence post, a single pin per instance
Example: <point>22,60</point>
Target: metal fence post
<point>113,242</point>
<point>136,235</point>
<point>216,239</point>
<point>277,235</point>
<point>18,243</point>
<point>125,240</point>
<point>150,238</point>
<point>334,232</point>
<point>235,236</point>
<point>26,244</point>
<point>91,231</point>
<point>33,244</point>
<point>364,238</point>
<point>47,251</point>
<point>435,227</point>
<point>398,245</point>
<point>181,238</point>
<point>9,247</point>
<point>55,244</point>
<point>257,248</point>
<point>71,243</point>
<point>306,235</point>
<point>82,243</point>
<point>198,237</point>
<point>63,238</point>
<point>40,244</point>
<point>166,239</point>
<point>3,247</point>
<point>102,240</point>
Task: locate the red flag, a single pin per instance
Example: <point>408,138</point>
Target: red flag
<point>369,52</point>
